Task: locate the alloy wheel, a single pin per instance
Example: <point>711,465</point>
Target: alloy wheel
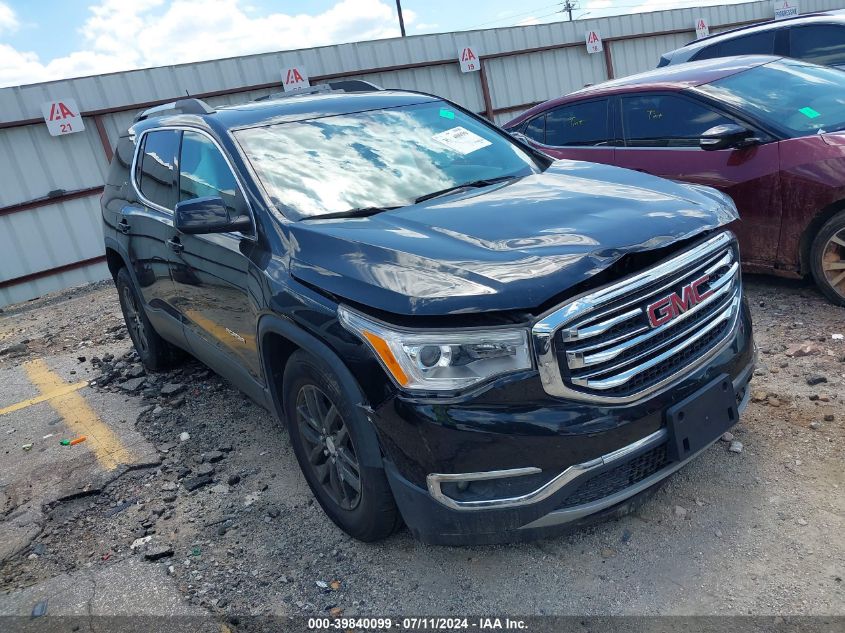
<point>329,447</point>
<point>134,323</point>
<point>833,262</point>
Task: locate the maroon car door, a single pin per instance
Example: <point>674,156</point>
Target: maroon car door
<point>580,131</point>
<point>661,134</point>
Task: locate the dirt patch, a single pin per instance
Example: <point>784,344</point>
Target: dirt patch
<point>228,516</point>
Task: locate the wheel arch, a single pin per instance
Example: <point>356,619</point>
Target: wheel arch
<point>810,231</point>
<point>117,257</point>
<point>278,339</point>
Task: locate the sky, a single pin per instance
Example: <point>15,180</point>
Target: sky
<point>43,40</point>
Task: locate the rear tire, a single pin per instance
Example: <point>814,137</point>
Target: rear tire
<point>827,259</point>
<point>155,353</point>
<point>327,432</point>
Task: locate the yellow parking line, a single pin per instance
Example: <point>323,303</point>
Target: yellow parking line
<point>59,391</point>
<point>78,415</point>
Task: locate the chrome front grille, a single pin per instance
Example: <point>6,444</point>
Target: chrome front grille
<point>636,336</point>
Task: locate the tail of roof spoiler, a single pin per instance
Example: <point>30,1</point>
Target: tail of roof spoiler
<point>181,106</point>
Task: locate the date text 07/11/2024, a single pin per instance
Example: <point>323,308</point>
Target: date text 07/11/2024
<point>417,624</point>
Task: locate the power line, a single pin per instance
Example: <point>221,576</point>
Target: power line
<point>515,15</point>
<point>568,6</point>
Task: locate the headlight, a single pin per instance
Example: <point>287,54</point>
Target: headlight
<point>440,361</point>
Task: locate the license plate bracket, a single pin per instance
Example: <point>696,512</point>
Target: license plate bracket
<point>701,417</point>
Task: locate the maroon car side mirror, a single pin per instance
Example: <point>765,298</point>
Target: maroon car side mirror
<point>728,136</point>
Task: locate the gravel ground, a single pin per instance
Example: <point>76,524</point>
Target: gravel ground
<point>753,526</point>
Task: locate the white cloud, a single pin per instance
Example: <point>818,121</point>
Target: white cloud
<point>122,35</point>
<point>8,19</point>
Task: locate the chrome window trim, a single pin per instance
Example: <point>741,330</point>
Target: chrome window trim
<point>187,128</point>
<point>544,331</point>
<point>543,492</point>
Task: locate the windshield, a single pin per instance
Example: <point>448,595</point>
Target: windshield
<point>798,98</point>
<point>380,158</point>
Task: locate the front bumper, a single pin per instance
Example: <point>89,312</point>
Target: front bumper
<point>587,461</point>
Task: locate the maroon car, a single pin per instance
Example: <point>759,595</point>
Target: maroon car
<point>768,131</point>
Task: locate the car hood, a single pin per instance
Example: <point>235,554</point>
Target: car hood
<point>505,247</point>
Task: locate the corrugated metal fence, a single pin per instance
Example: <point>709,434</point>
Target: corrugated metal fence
<point>50,236</point>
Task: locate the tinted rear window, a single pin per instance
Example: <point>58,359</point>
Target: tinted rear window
<point>762,43</point>
<point>818,43</point>
<point>581,124</point>
<point>536,129</point>
<point>157,169</point>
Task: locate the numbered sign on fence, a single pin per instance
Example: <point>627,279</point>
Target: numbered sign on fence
<point>469,60</point>
<point>594,42</point>
<point>62,117</point>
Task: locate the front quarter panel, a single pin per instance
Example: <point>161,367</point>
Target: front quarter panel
<point>813,178</point>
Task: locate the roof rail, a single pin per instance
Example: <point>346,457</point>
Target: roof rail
<point>180,106</point>
<point>345,85</point>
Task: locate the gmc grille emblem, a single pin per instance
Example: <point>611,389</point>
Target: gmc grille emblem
<point>671,306</point>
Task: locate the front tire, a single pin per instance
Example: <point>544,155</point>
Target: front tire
<point>155,353</point>
<point>327,433</point>
<point>827,259</point>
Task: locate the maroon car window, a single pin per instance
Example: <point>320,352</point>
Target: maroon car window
<point>666,121</point>
<point>818,43</point>
<point>580,124</point>
<point>536,129</point>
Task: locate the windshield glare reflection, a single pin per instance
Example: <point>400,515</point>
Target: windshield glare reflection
<point>381,158</point>
<point>799,98</point>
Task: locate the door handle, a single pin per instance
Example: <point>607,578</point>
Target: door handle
<point>123,226</point>
<point>175,245</point>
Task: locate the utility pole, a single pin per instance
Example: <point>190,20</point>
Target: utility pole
<point>568,6</point>
<point>402,21</point>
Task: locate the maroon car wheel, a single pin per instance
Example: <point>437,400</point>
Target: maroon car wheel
<point>828,258</point>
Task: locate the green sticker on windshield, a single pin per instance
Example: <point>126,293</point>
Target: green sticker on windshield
<point>809,112</point>
<point>447,114</point>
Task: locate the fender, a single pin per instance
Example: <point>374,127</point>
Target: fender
<point>120,249</point>
<point>370,453</point>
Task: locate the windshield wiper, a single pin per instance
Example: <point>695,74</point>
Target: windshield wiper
<point>467,185</point>
<point>362,212</point>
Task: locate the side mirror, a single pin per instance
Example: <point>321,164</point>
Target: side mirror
<point>519,136</point>
<point>207,215</point>
<point>727,136</point>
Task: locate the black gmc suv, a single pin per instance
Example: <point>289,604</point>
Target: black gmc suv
<point>459,332</point>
